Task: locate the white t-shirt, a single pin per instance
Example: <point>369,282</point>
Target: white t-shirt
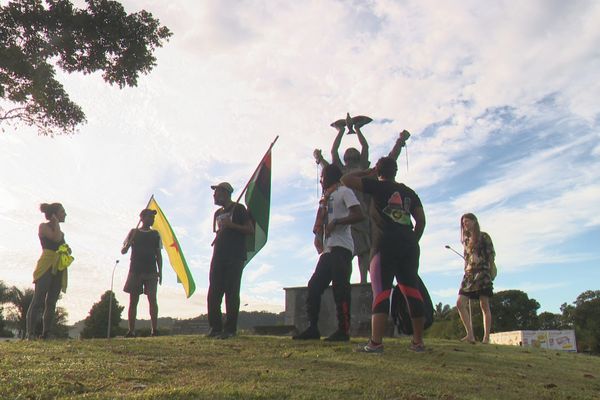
<point>337,207</point>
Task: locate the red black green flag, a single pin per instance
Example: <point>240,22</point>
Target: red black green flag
<point>258,202</point>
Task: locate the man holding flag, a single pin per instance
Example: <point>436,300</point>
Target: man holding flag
<point>145,270</point>
<point>232,224</point>
<point>240,234</point>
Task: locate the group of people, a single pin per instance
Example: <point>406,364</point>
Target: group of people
<point>231,223</point>
<point>363,212</point>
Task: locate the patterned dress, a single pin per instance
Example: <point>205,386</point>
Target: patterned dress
<point>477,280</point>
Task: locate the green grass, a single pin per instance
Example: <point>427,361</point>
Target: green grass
<point>259,367</point>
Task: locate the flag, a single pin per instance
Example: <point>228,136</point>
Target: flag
<point>258,202</point>
<point>171,245</point>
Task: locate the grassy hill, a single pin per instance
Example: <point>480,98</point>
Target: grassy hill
<point>258,367</point>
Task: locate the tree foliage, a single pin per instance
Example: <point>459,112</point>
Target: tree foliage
<point>550,321</point>
<point>441,312</point>
<point>446,323</point>
<point>96,323</point>
<point>36,36</point>
<point>584,316</point>
<point>20,301</point>
<point>513,310</point>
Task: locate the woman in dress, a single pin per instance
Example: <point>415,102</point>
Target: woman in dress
<point>50,275</point>
<point>479,272</point>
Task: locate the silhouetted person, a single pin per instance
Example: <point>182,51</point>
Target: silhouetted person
<point>232,224</point>
<point>145,269</point>
<point>395,251</point>
<point>50,275</point>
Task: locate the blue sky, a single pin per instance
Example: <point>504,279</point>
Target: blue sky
<point>501,100</point>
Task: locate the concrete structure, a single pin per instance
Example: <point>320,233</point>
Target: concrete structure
<point>554,340</point>
<point>360,310</point>
<point>190,327</point>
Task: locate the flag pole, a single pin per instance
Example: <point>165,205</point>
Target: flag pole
<point>256,170</point>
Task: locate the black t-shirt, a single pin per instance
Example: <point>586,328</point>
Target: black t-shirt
<point>143,251</point>
<point>230,244</point>
<point>49,244</point>
<point>392,205</point>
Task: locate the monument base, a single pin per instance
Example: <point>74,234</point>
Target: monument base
<point>360,310</point>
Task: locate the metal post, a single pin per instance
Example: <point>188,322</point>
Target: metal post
<point>111,294</point>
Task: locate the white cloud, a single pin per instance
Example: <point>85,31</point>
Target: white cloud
<point>252,273</point>
<point>535,287</point>
<point>448,293</point>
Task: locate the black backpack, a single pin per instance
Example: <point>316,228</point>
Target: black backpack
<point>399,309</point>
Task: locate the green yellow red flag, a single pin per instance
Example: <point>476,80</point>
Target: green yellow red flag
<point>172,247</point>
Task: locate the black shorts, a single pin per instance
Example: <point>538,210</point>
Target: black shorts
<point>486,292</point>
<point>141,283</point>
<point>403,264</point>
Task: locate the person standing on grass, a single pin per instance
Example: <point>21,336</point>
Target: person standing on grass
<point>338,210</point>
<point>145,269</point>
<point>395,250</point>
<point>477,283</point>
<point>50,275</point>
<point>232,224</point>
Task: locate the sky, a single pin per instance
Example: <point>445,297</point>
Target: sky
<point>501,100</point>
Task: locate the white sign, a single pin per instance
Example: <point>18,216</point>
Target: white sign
<point>553,340</point>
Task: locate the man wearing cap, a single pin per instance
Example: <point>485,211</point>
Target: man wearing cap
<point>145,269</point>
<point>231,224</point>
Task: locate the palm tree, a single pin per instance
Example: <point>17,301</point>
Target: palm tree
<point>20,301</point>
<point>441,312</point>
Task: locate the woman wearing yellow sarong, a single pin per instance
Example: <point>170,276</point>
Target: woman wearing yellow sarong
<point>50,275</point>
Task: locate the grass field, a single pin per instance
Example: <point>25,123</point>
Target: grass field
<point>263,367</point>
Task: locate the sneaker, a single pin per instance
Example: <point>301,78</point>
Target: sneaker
<point>227,335</point>
<point>416,347</point>
<point>153,333</point>
<point>214,333</point>
<point>338,336</point>
<point>309,334</point>
<point>130,334</point>
<point>370,348</point>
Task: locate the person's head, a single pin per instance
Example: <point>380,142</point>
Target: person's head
<point>469,227</point>
<point>330,175</point>
<point>386,168</point>
<point>352,157</point>
<point>147,217</point>
<point>222,193</point>
<point>53,209</point>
